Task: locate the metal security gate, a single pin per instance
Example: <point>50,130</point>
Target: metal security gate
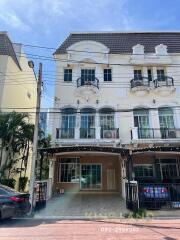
<point>40,194</point>
<point>132,197</point>
<point>159,195</point>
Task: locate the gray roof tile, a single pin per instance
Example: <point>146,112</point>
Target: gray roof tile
<point>123,42</point>
<point>6,47</point>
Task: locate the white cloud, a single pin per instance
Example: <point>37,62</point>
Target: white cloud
<point>14,21</point>
<point>45,15</point>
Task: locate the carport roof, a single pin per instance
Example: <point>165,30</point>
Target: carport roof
<point>53,150</point>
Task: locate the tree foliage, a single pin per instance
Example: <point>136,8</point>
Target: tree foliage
<point>16,136</point>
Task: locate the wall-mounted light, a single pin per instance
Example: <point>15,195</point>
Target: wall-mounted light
<point>154,101</point>
<point>78,102</point>
<point>97,101</point>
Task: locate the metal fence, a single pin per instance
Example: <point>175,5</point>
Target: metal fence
<point>159,195</point>
<point>154,196</point>
<point>132,197</point>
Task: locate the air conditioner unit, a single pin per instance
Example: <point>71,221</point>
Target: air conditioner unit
<point>172,134</point>
<point>109,133</point>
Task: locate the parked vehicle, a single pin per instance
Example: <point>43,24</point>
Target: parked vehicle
<point>13,203</point>
<point>154,196</point>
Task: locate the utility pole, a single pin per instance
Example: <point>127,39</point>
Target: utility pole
<point>35,138</point>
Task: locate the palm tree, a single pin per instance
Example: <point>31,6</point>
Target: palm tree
<point>16,135</point>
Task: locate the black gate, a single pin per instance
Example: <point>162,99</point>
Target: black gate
<point>159,195</point>
<point>40,195</point>
<point>132,197</point>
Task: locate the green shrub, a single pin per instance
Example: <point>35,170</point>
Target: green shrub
<point>138,213</point>
<point>22,183</point>
<point>8,182</point>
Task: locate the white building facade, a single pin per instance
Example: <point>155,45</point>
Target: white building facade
<point>115,92</point>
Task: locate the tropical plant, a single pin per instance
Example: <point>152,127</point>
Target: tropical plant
<point>42,165</point>
<point>16,135</point>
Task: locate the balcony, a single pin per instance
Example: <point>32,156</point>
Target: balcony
<point>141,81</point>
<point>65,133</point>
<point>87,133</point>
<point>164,81</point>
<point>140,85</point>
<point>110,133</point>
<point>89,83</point>
<point>154,133</point>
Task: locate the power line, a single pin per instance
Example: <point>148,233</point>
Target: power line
<point>46,58</point>
<point>85,51</point>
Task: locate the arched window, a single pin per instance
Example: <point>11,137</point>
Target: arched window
<point>68,123</point>
<point>166,121</point>
<point>87,129</point>
<point>141,121</point>
<point>107,121</point>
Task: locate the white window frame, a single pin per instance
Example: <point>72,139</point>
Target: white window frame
<point>67,68</point>
<point>144,165</point>
<point>59,169</point>
<point>107,75</point>
<point>104,115</point>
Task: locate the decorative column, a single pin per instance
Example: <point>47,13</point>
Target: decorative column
<point>78,123</point>
<point>123,177</point>
<point>52,162</point>
<point>154,69</point>
<point>176,116</point>
<point>97,126</point>
<point>154,124</point>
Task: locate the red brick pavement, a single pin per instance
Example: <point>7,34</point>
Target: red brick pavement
<point>90,230</point>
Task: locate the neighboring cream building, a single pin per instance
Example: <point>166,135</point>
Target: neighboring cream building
<point>18,81</point>
<point>117,95</point>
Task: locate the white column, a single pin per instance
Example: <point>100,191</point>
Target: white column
<point>123,175</point>
<point>51,175</point>
<point>154,124</point>
<point>134,133</point>
<point>78,123</point>
<point>97,126</point>
<point>154,69</point>
<point>176,112</point>
<point>144,71</point>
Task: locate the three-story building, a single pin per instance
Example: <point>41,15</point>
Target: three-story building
<point>114,93</point>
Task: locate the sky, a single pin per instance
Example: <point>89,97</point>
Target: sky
<point>49,22</point>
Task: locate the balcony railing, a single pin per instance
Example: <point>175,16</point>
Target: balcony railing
<point>65,133</point>
<point>87,133</point>
<point>112,133</point>
<point>155,133</point>
<point>91,82</point>
<point>164,81</point>
<point>141,81</point>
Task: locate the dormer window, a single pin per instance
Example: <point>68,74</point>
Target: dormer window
<point>138,49</point>
<point>161,49</point>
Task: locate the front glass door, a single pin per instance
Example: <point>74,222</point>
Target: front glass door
<point>90,176</point>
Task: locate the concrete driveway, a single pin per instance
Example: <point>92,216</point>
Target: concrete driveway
<point>84,205</point>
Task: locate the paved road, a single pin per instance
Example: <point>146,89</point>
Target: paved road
<point>35,229</point>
